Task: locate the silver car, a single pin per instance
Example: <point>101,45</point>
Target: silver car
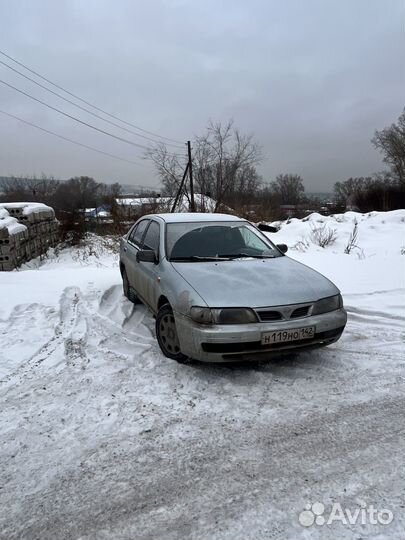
<point>222,291</point>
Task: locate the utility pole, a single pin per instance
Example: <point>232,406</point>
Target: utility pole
<point>176,200</point>
<point>190,172</point>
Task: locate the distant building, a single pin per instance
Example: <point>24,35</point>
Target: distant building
<point>288,210</point>
<point>133,206</point>
<point>101,212</point>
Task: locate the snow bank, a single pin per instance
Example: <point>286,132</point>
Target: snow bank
<point>378,233</point>
<point>375,262</point>
<point>94,263</point>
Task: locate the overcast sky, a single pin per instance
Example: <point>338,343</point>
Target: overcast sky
<point>311,79</point>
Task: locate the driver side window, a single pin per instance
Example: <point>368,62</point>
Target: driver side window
<point>138,232</point>
<point>152,238</point>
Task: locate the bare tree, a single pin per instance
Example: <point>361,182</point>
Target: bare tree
<point>390,141</point>
<point>77,193</point>
<point>382,191</point>
<point>170,168</point>
<point>30,188</point>
<point>347,192</point>
<point>224,163</point>
<point>287,188</point>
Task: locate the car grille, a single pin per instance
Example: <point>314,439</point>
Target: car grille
<point>300,312</point>
<point>269,315</point>
<point>283,313</point>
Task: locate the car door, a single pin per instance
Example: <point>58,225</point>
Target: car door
<point>134,243</point>
<point>148,273</point>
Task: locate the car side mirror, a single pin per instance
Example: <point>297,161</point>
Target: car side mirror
<point>266,228</point>
<point>146,255</point>
<point>283,248</point>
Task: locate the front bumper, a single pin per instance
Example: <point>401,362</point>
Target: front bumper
<point>230,343</point>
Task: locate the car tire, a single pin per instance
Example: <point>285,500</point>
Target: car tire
<point>128,290</point>
<point>166,334</point>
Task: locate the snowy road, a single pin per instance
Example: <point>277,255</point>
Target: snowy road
<point>104,438</point>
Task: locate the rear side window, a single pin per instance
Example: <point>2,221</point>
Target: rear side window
<point>152,237</point>
<point>137,234</point>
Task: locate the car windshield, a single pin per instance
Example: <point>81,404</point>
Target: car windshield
<point>199,241</point>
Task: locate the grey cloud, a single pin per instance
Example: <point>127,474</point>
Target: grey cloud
<point>311,80</point>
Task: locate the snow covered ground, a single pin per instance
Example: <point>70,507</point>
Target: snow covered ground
<point>101,437</point>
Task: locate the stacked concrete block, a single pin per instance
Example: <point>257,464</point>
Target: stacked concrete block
<point>27,230</point>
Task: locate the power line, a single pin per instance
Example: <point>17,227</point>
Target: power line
<point>67,139</point>
<point>75,117</point>
<point>88,103</point>
<point>84,108</point>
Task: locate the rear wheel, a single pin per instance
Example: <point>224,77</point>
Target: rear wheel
<point>128,290</point>
<point>166,334</point>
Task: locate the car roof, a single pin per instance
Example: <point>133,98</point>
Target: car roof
<point>189,217</point>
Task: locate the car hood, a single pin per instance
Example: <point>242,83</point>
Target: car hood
<point>255,282</point>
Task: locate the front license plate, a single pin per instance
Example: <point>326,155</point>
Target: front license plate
<point>281,336</point>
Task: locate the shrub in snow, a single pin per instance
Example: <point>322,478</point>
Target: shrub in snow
<point>322,235</point>
<point>352,242</point>
<point>93,249</point>
<point>302,245</point>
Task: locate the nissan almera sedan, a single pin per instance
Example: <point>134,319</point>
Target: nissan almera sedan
<point>222,291</point>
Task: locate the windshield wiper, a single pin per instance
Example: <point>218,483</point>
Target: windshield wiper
<point>197,258</point>
<point>240,255</point>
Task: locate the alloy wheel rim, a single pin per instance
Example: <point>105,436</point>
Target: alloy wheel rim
<point>168,334</point>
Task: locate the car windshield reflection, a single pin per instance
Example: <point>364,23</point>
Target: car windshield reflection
<point>197,242</point>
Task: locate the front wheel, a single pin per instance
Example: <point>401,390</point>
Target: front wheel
<point>166,334</point>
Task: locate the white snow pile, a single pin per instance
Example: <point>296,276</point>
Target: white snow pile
<point>92,251</point>
<point>362,252</point>
<point>10,223</point>
<point>352,232</point>
<point>28,207</point>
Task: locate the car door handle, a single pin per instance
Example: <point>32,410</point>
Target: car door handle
<point>125,248</point>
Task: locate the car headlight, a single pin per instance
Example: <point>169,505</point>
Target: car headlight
<point>205,315</point>
<point>328,304</point>
<point>201,315</point>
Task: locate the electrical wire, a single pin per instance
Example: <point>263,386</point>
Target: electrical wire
<point>84,108</point>
<point>75,118</point>
<point>69,140</point>
<point>88,103</point>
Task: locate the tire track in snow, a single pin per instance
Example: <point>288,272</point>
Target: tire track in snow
<point>70,336</point>
<point>82,331</point>
<point>117,311</point>
<point>365,322</point>
<point>373,316</point>
<point>115,321</point>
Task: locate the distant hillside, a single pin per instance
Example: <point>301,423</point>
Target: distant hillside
<point>322,195</point>
<point>127,189</point>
